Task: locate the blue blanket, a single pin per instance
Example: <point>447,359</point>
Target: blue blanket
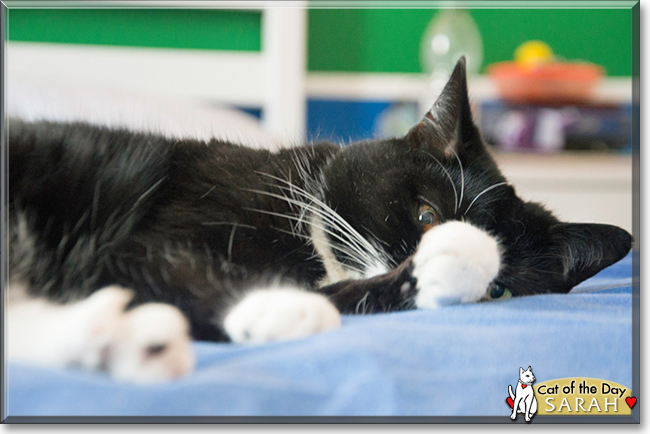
<point>457,360</point>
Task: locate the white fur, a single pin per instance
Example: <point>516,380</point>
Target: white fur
<point>334,270</point>
<point>145,326</point>
<point>97,331</point>
<point>280,313</point>
<point>454,263</point>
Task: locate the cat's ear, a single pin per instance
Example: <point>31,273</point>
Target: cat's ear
<point>587,248</point>
<point>521,371</point>
<point>448,126</point>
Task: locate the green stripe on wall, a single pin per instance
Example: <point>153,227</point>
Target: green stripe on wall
<point>388,40</point>
<point>346,40</point>
<point>169,28</point>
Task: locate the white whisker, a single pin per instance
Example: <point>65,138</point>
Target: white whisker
<point>362,302</point>
<point>362,256</point>
<point>481,193</point>
<point>462,179</point>
<point>450,180</point>
<point>333,217</point>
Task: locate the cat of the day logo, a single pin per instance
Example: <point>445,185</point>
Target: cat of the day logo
<point>523,400</point>
<point>568,396</point>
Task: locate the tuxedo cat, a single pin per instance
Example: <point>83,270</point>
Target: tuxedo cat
<point>122,243</point>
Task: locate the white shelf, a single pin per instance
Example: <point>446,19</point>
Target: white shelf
<point>385,86</point>
<point>576,186</point>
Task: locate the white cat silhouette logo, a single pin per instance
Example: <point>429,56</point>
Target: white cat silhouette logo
<point>523,399</point>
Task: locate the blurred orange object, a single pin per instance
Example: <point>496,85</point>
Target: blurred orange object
<point>550,83</point>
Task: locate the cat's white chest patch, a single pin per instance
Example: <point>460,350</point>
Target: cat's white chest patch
<point>454,263</point>
<point>354,246</point>
<point>335,270</point>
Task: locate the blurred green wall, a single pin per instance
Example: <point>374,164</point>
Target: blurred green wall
<point>206,29</point>
<point>346,40</point>
<point>388,40</point>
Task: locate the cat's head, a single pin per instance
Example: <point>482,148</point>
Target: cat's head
<point>392,191</point>
<point>527,375</point>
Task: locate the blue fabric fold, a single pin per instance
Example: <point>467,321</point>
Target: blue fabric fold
<point>453,361</point>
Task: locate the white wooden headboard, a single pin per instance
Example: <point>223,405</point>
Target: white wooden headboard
<point>272,79</point>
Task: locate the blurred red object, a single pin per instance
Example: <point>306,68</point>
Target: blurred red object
<point>550,83</point>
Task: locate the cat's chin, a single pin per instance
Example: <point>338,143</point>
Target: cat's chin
<point>454,263</point>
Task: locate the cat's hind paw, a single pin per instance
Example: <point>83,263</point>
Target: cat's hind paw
<point>454,263</point>
<point>151,344</point>
<point>282,313</point>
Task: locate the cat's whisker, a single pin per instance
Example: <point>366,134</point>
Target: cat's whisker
<point>483,192</point>
<point>331,246</point>
<point>339,265</point>
<point>361,255</point>
<point>362,302</point>
<point>208,192</point>
<point>450,180</point>
<point>230,241</point>
<point>462,179</point>
<point>243,225</point>
<point>144,195</point>
<point>335,219</point>
<point>335,216</point>
<point>369,260</point>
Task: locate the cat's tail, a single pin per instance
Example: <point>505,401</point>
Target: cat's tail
<point>512,395</point>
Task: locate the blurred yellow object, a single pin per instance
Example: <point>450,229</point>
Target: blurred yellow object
<point>533,53</point>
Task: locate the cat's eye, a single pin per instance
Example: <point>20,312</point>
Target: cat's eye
<point>497,291</point>
<point>427,217</point>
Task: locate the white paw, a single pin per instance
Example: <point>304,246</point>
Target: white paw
<point>99,315</point>
<point>454,263</point>
<point>59,335</point>
<point>152,343</point>
<point>279,314</point>
<point>149,343</point>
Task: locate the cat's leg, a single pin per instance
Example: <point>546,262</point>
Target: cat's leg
<point>279,312</point>
<point>144,344</point>
<point>533,406</point>
<point>527,407</point>
<point>515,407</point>
<point>454,263</point>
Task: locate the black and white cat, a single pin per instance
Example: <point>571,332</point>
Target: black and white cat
<point>122,244</point>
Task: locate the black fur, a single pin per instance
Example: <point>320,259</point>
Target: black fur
<point>197,224</point>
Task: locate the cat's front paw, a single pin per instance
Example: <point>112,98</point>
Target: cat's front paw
<point>454,263</point>
<point>276,314</point>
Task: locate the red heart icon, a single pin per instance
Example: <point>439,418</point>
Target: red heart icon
<point>523,386</point>
<point>630,401</point>
<point>510,402</point>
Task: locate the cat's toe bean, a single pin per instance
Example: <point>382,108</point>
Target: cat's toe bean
<point>268,315</point>
<point>152,344</point>
<point>455,262</point>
